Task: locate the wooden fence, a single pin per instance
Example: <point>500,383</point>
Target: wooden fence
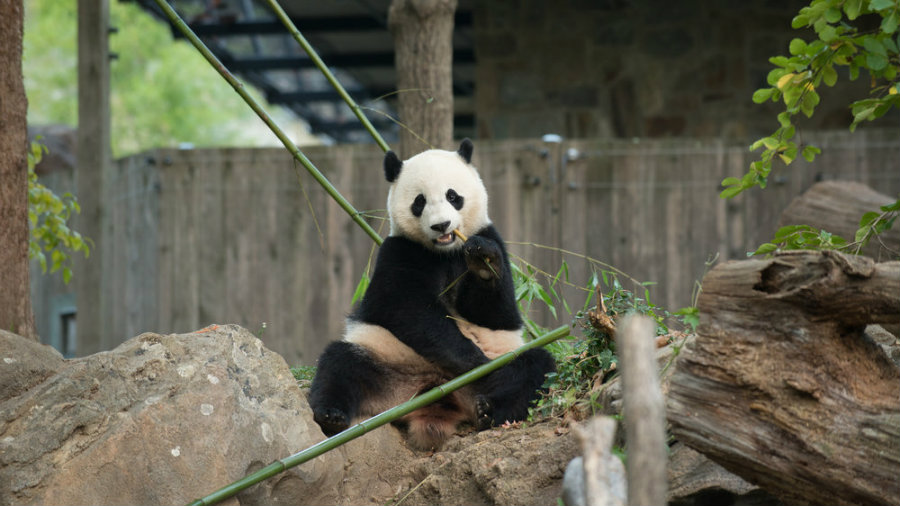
<point>246,236</point>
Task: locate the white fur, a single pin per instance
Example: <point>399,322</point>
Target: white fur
<point>493,343</point>
<point>432,173</point>
<point>384,345</point>
<point>390,350</point>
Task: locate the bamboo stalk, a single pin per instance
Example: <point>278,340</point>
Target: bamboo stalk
<point>376,421</point>
<point>357,110</point>
<point>288,143</point>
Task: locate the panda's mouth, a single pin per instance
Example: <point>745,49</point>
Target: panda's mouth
<point>445,239</point>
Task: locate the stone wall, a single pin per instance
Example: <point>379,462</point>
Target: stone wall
<point>647,68</point>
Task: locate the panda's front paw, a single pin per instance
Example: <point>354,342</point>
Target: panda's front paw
<point>331,420</point>
<point>484,413</point>
<point>483,257</point>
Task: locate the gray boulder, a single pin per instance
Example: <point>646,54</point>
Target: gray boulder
<point>161,419</point>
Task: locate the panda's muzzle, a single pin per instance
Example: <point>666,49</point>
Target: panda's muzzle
<point>444,239</point>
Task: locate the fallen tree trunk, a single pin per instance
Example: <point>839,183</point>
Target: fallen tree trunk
<point>782,386</point>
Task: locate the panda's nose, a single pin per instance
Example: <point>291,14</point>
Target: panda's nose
<point>441,227</point>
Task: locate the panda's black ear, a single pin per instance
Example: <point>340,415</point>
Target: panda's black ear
<point>392,166</point>
<point>465,150</point>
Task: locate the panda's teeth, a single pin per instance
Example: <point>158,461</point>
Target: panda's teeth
<point>445,239</point>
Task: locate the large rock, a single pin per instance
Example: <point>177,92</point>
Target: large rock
<point>24,363</point>
<point>165,419</point>
<point>161,419</point>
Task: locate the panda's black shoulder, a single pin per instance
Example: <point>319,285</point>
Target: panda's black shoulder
<point>490,232</point>
<point>405,252</point>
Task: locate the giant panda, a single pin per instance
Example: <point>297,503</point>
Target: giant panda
<point>436,307</point>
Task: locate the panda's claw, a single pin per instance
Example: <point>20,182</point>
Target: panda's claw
<point>483,413</point>
<point>331,421</point>
<point>482,257</point>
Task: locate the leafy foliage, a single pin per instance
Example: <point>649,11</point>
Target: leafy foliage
<point>162,91</point>
<point>805,237</point>
<point>844,40</point>
<point>48,216</point>
<point>584,362</point>
<point>304,374</point>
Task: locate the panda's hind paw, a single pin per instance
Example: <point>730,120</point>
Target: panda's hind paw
<point>484,410</point>
<point>331,421</point>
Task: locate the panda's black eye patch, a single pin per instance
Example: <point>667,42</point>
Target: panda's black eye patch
<point>418,205</point>
<point>456,200</point>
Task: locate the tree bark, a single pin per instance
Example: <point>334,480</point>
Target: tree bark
<point>423,48</point>
<point>782,386</point>
<point>15,290</point>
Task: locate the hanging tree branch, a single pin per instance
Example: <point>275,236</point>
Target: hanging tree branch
<point>355,215</point>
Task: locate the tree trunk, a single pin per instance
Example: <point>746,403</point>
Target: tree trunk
<point>783,387</point>
<point>15,291</point>
<point>423,47</point>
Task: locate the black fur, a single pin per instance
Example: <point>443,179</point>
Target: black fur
<point>392,166</point>
<point>456,200</point>
<point>465,150</point>
<point>337,394</point>
<point>418,206</point>
<point>409,296</point>
<point>413,293</point>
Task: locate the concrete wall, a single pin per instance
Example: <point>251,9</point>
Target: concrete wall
<point>647,68</point>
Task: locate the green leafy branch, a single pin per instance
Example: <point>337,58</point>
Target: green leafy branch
<point>871,225</point>
<point>48,215</point>
<point>796,79</point>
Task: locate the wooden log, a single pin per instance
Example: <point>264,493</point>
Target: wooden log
<point>603,472</point>
<point>782,387</point>
<point>837,206</point>
<point>644,412</point>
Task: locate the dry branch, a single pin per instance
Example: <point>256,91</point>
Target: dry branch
<point>645,413</point>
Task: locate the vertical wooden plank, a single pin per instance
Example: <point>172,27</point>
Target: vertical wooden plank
<point>184,294</point>
<point>210,196</point>
<point>289,324</point>
<point>119,216</point>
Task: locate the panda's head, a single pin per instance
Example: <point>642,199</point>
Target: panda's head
<point>434,193</point>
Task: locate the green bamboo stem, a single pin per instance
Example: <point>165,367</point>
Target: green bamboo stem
<point>357,110</point>
<point>376,421</point>
<point>282,136</point>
